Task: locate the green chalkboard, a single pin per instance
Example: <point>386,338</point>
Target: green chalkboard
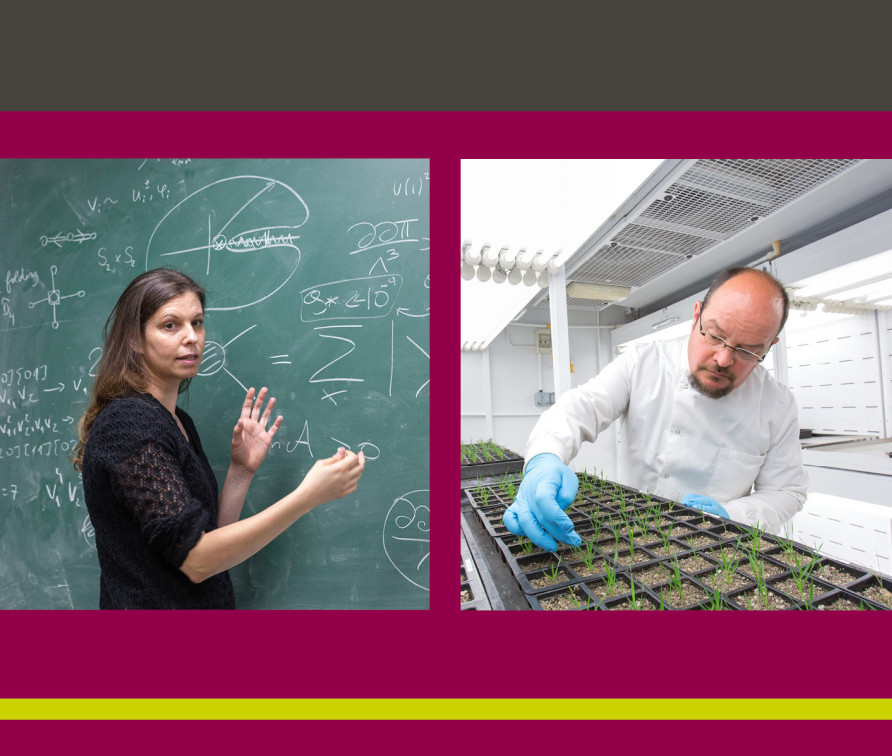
<point>318,281</point>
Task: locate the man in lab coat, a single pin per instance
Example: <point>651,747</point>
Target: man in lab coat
<point>702,423</point>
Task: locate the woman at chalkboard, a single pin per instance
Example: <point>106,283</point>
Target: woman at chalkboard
<point>164,535</point>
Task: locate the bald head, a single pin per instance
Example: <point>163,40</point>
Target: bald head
<point>744,309</point>
<point>763,290</point>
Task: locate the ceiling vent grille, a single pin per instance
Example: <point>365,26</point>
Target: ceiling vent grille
<point>709,202</point>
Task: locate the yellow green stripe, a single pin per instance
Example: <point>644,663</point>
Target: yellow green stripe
<point>445,708</point>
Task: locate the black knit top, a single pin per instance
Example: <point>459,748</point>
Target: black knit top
<point>150,494</point>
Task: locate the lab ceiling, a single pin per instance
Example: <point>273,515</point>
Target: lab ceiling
<point>692,218</point>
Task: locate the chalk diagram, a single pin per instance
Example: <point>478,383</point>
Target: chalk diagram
<point>240,231</point>
<point>407,537</point>
<point>54,296</point>
<point>214,358</point>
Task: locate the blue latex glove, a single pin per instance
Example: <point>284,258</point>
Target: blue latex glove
<point>547,489</point>
<point>705,503</point>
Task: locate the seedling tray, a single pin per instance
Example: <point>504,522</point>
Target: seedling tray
<point>658,554</point>
<point>484,459</point>
<point>473,593</point>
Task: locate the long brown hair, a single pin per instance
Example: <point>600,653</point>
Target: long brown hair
<point>122,369</point>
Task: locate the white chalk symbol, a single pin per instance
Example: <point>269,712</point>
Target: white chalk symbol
<point>54,296</point>
<point>223,231</point>
<point>214,358</point>
<point>406,537</point>
<point>59,239</point>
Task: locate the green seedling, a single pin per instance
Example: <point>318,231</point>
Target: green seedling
<point>482,493</point>
<point>809,599</point>
<point>730,563</point>
<point>757,568</point>
<point>616,538</point>
<point>553,574</point>
<point>715,600</point>
<point>755,535</point>
<point>573,599</point>
<point>759,574</point>
<point>633,601</point>
<point>642,521</point>
<point>509,486</point>
<point>802,571</point>
<point>589,557</point>
<point>665,535</point>
<point>675,579</point>
<point>526,545</point>
<point>611,578</point>
<point>597,523</point>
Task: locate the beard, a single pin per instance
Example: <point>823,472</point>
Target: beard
<point>713,393</point>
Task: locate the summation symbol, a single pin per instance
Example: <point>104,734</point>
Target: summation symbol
<point>54,296</point>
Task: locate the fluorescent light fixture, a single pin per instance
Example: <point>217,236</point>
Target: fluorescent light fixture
<point>876,269</point>
<point>605,292</point>
<point>663,323</point>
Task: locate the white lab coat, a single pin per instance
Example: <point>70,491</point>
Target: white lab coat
<point>741,450</point>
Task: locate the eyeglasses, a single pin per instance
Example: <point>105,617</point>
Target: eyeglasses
<point>717,342</point>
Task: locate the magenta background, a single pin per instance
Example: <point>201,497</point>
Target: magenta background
<point>444,652</point>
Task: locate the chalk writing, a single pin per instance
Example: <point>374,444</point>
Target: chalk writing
<point>406,536</point>
<point>88,532</point>
<point>214,358</point>
<point>52,448</point>
<point>355,298</point>
<point>313,378</point>
<point>369,450</point>
<point>122,258</point>
<point>205,242</point>
<point>420,388</point>
<point>411,186</point>
<point>21,276</point>
<point>172,161</point>
<point>96,207</point>
<point>54,297</point>
<point>78,237</point>
<point>148,192</point>
<point>291,446</point>
<point>385,233</point>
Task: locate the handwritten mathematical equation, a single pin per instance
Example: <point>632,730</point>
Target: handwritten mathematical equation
<point>106,258</point>
<point>57,491</point>
<point>370,297</point>
<point>370,451</point>
<point>370,235</point>
<point>28,426</point>
<point>412,186</point>
<point>55,448</point>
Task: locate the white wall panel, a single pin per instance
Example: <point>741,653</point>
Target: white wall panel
<point>833,369</point>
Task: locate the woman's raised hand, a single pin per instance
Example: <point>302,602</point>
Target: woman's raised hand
<point>251,438</point>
